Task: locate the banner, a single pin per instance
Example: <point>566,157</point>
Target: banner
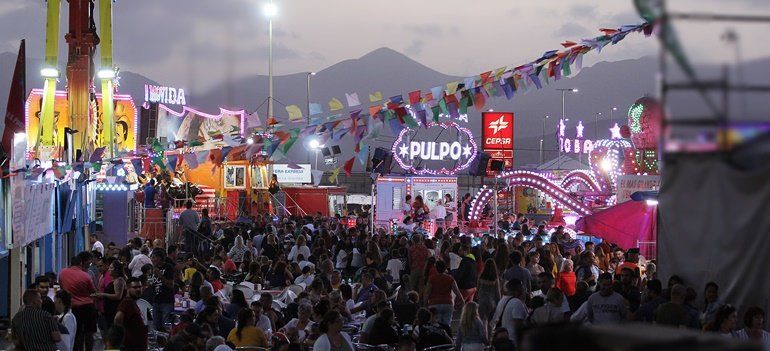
<point>286,174</point>
<point>629,184</point>
<point>32,209</point>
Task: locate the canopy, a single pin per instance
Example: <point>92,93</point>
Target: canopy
<point>624,224</point>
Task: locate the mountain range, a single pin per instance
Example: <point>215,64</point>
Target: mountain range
<point>601,87</point>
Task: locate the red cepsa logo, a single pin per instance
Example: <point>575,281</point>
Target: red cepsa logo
<point>498,130</point>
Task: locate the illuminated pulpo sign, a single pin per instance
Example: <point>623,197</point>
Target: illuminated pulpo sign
<point>410,153</point>
<point>164,95</point>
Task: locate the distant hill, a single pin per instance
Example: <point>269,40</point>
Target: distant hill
<point>602,86</point>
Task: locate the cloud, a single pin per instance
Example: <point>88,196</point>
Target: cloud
<point>571,31</point>
<point>427,30</point>
<point>317,56</point>
<point>415,48</point>
<point>625,18</point>
<point>582,11</point>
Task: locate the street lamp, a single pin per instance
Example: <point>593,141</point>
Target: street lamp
<point>564,111</point>
<point>316,146</point>
<point>543,138</point>
<point>309,74</point>
<point>611,117</point>
<point>270,11</point>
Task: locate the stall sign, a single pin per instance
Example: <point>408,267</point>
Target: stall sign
<point>164,95</point>
<point>498,130</point>
<point>287,175</point>
<point>629,184</point>
<point>423,154</point>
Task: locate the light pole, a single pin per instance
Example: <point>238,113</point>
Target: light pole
<point>542,138</point>
<point>611,117</point>
<point>308,95</point>
<point>564,112</point>
<point>316,146</point>
<point>596,125</point>
<point>270,11</point>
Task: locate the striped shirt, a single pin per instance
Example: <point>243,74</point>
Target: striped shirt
<point>32,327</point>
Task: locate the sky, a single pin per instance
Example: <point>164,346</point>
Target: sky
<point>199,43</point>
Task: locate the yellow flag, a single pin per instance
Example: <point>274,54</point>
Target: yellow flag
<point>333,176</point>
<point>335,105</point>
<point>377,96</point>
<point>452,87</point>
<point>295,113</point>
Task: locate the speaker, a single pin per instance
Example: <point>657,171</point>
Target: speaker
<point>327,152</point>
<point>381,160</point>
<point>496,165</point>
<point>479,165</point>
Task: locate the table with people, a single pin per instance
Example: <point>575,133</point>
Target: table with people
<point>318,282</point>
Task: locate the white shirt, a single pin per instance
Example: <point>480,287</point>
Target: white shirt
<point>358,260</point>
<point>742,335</point>
<point>564,304</point>
<point>67,342</point>
<point>439,212</point>
<point>264,324</point>
<point>303,279</point>
<point>394,269</point>
<point>296,251</point>
<point>454,261</point>
<point>515,309</point>
<point>302,332</point>
<point>98,246</point>
<point>137,263</point>
<point>342,260</point>
<point>606,309</point>
<point>323,344</point>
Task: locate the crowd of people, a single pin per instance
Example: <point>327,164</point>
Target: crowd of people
<point>350,287</point>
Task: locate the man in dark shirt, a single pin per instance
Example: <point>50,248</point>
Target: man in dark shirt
<point>627,288</point>
<point>162,281</point>
<point>646,311</point>
<point>129,317</point>
<point>42,285</point>
<point>466,276</point>
<point>33,328</point>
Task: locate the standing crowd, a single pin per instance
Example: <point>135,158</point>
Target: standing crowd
<point>293,283</point>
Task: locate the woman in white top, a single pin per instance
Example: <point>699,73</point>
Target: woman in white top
<point>139,261</point>
<point>238,251</point>
<point>63,302</point>
<point>754,320</point>
<point>302,322</point>
<point>299,248</point>
<point>332,337</point>
<point>342,257</point>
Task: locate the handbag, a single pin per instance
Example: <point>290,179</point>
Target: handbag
<point>499,322</point>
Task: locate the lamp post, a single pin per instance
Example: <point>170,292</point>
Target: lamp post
<point>316,146</point>
<point>309,74</point>
<point>611,117</point>
<point>564,112</point>
<point>270,11</point>
<point>542,138</point>
<point>596,125</point>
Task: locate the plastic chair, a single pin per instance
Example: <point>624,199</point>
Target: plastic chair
<point>296,289</point>
<point>145,308</point>
<point>247,292</point>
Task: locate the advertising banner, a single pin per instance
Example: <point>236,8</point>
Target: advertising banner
<point>497,135</point>
<point>629,184</point>
<point>287,175</point>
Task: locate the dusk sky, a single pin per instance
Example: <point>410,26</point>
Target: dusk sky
<point>157,38</point>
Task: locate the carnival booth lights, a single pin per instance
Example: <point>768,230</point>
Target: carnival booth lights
<point>392,190</point>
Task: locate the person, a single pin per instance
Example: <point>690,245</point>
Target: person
<point>302,323</point>
<point>79,284</point>
<point>466,275</point>
<point>63,302</point>
<point>299,248</point>
<point>383,330</point>
<point>627,288</point>
<point>149,194</point>
<point>246,334</point>
<point>551,312</point>
<point>646,311</point>
<point>275,189</point>
<point>407,206</point>
<point>332,337</point>
<point>190,222</point>
<point>407,225</point>
<point>113,294</point>
<point>261,320</point>
<point>426,333</point>
<point>606,306</point>
<point>43,286</point>
<point>466,207</point>
<point>33,328</point>
<point>206,231</point>
<point>533,265</point>
<point>587,271</point>
<point>438,213</point>
<point>511,311</point>
<point>418,255</point>
<point>489,292</point>
<point>673,313</point>
<point>725,320</point>
<point>517,271</point>
<point>140,261</point>
<point>754,322</point>
<point>237,303</point>
<point>96,245</point>
<point>438,293</point>
<point>217,343</point>
<point>711,303</point>
<point>238,250</point>
<point>162,283</point>
<point>129,318</point>
<point>472,334</point>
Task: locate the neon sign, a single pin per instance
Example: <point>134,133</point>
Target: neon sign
<point>410,154</point>
<point>164,95</point>
<point>576,145</point>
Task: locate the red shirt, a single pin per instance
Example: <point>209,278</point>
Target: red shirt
<point>566,282</point>
<point>79,284</point>
<point>417,257</point>
<point>134,329</point>
<point>229,266</point>
<point>103,282</point>
<point>217,285</point>
<point>440,289</point>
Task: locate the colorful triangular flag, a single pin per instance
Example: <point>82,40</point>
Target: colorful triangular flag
<point>352,99</point>
<point>335,105</point>
<point>376,96</point>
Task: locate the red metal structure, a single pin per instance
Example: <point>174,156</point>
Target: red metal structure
<point>81,40</point>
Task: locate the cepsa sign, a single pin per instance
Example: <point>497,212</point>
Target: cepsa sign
<point>498,130</point>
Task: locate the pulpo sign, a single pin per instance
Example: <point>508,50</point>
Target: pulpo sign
<point>414,153</point>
